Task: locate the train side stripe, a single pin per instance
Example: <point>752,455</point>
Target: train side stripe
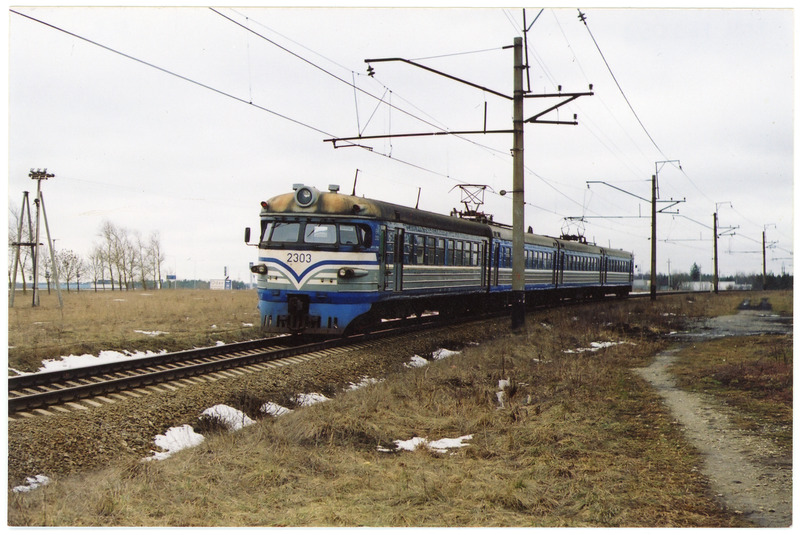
<point>298,277</point>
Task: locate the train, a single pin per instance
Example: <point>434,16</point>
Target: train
<point>333,264</point>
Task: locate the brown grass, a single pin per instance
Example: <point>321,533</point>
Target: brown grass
<point>580,441</point>
<point>753,374</point>
<point>91,322</point>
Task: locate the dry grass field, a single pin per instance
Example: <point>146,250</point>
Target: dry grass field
<point>752,374</point>
<point>579,440</point>
<point>126,321</point>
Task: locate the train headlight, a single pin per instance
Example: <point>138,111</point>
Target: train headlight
<point>305,196</point>
<point>351,273</point>
<point>260,269</point>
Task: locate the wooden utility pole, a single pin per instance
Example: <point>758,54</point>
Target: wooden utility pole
<point>37,175</point>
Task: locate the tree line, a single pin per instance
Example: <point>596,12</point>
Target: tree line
<point>755,280</point>
<point>121,258</point>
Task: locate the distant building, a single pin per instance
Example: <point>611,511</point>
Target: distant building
<point>697,286</point>
<point>220,284</point>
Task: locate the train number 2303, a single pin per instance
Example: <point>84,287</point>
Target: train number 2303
<point>302,258</point>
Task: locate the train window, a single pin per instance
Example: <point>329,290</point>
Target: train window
<point>451,250</point>
<point>266,228</point>
<point>285,232</point>
<point>419,250</point>
<point>430,250</point>
<point>324,233</point>
<point>348,235</point>
<point>459,256</point>
<point>390,237</point>
<point>408,248</point>
<point>439,252</point>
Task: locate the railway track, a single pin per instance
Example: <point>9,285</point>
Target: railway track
<point>30,393</point>
<point>38,391</point>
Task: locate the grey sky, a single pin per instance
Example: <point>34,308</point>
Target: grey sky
<point>149,151</point>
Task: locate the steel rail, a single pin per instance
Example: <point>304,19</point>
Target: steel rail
<point>45,378</point>
<point>47,391</point>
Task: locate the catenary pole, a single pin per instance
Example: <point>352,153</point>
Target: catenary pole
<point>653,242</point>
<point>518,201</point>
<point>716,257</point>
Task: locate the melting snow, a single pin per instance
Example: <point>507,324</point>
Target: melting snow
<point>439,446</point>
<point>440,354</point>
<point>595,346</point>
<point>78,361</point>
<point>32,483</point>
<point>305,400</point>
<point>273,409</point>
<point>150,333</point>
<point>416,362</point>
<point>233,419</point>
<point>175,440</point>
<point>365,381</point>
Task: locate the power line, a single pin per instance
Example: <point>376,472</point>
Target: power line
<point>582,18</point>
<point>172,73</point>
<point>210,88</point>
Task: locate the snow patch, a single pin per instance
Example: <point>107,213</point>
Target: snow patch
<point>416,362</point>
<point>32,483</point>
<point>273,409</point>
<point>438,446</point>
<point>306,400</point>
<point>150,333</point>
<point>79,361</point>
<point>440,354</point>
<point>596,346</point>
<point>174,440</point>
<point>365,381</point>
<point>234,419</point>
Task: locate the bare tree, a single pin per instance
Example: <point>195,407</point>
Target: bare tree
<point>96,264</point>
<point>130,258</point>
<point>70,265</point>
<point>156,256</point>
<point>107,232</point>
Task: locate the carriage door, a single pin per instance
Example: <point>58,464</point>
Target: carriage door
<point>496,264</point>
<point>559,267</point>
<point>398,260</point>
<point>387,259</point>
<point>603,270</point>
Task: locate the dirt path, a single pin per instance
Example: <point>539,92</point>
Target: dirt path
<point>745,471</point>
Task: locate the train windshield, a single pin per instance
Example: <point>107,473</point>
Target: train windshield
<point>323,233</point>
<point>284,232</point>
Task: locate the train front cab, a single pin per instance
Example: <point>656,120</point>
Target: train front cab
<point>319,273</point>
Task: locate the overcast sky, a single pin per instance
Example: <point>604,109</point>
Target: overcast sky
<point>201,119</point>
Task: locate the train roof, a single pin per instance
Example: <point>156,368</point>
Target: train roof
<point>337,204</point>
<point>309,200</point>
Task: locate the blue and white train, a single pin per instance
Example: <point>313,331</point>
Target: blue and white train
<point>330,263</point>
